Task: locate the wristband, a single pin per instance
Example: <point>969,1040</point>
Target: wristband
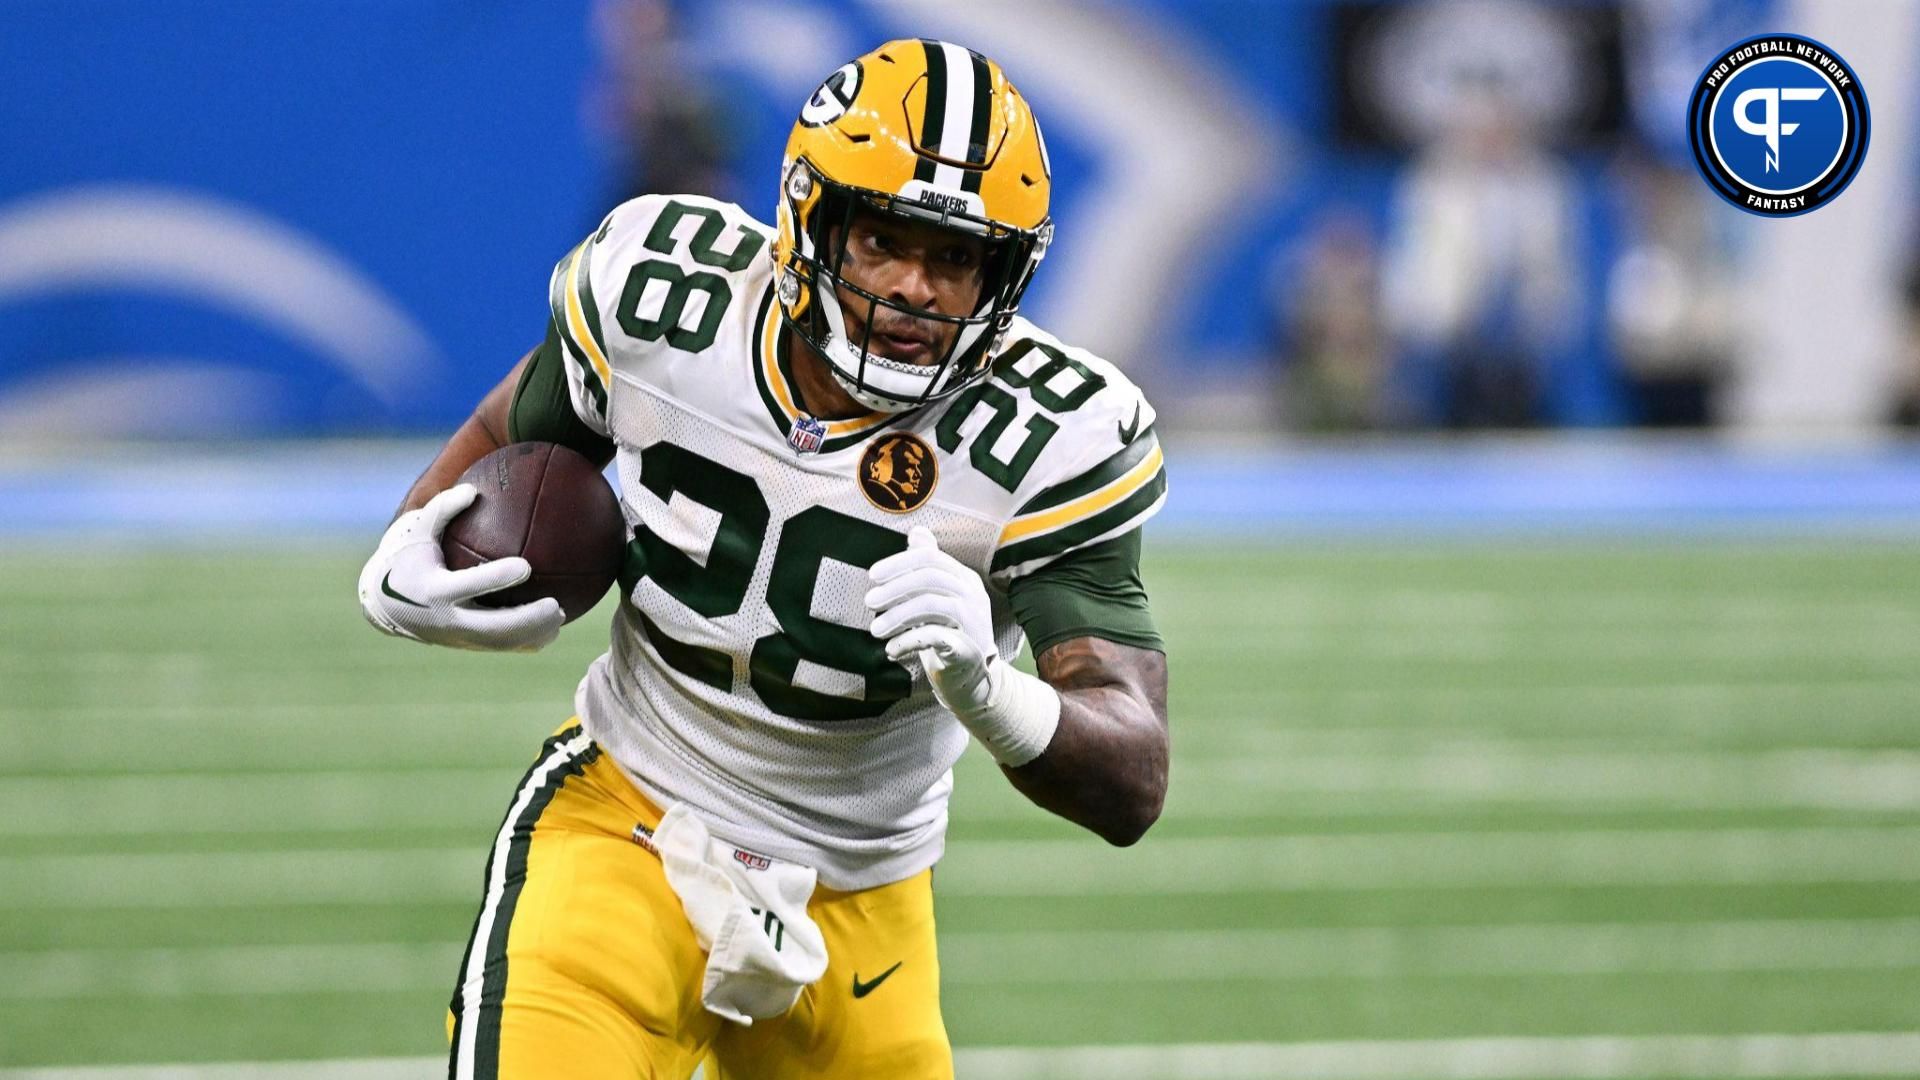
<point>1018,721</point>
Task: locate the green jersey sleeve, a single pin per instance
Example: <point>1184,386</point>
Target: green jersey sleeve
<point>543,405</point>
<point>1093,591</point>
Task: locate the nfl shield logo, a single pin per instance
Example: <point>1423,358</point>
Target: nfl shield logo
<point>807,435</point>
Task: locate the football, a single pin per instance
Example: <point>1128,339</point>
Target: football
<point>551,506</point>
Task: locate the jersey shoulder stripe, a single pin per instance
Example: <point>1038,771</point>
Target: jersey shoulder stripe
<point>1099,473</point>
<point>1107,510</point>
<point>1145,444</point>
<point>576,319</point>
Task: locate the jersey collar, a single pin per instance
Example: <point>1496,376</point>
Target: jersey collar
<point>774,378</point>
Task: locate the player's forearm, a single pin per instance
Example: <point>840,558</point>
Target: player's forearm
<point>1106,768</point>
<point>482,433</point>
<point>472,442</point>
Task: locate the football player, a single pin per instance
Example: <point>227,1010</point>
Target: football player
<point>856,479</point>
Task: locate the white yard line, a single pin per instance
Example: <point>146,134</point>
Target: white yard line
<point>1072,867</point>
<point>134,738</point>
<point>242,879</point>
<point>133,735</point>
<point>1482,772</point>
<point>1403,952</point>
<point>1625,692</point>
<point>60,664</point>
<point>1414,773</point>
<point>1438,860</point>
<point>1402,777</point>
<point>421,1068</point>
<point>1581,645</point>
<point>254,801</point>
<point>1735,700</point>
<point>1599,1057</point>
<point>1589,1057</point>
<point>135,710</point>
<point>247,970</point>
<point>1062,957</point>
<point>1357,610</point>
<point>1741,717</point>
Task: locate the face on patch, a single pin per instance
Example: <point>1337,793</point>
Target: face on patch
<point>902,468</point>
<point>898,473</point>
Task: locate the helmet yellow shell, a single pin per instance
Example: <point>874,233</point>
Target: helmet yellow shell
<point>929,130</point>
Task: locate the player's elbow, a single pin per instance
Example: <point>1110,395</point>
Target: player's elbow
<point>1141,793</point>
<point>1125,830</point>
<point>1129,819</point>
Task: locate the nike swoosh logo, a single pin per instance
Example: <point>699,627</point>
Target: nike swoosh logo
<point>861,989</point>
<point>1132,428</point>
<point>386,586</point>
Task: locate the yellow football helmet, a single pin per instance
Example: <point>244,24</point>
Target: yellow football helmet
<point>931,132</point>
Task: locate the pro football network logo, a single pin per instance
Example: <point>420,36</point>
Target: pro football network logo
<point>1779,125</point>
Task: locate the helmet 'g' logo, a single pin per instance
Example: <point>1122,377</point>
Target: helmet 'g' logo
<point>897,473</point>
<point>1779,125</point>
<point>834,98</point>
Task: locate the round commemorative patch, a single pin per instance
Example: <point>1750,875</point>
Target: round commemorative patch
<point>1779,125</point>
<point>897,472</point>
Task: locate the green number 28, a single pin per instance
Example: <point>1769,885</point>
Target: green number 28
<point>719,588</point>
<point>680,283</point>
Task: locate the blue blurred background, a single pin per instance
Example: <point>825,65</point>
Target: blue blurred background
<point>304,218</point>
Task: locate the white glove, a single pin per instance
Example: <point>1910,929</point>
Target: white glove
<point>929,603</point>
<point>406,589</point>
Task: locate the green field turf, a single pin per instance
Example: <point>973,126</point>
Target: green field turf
<point>1419,792</point>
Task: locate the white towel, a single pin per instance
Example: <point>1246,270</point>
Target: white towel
<point>750,914</point>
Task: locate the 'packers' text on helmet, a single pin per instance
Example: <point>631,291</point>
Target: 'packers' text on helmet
<point>929,132</point>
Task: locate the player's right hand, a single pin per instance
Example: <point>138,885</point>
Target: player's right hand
<point>406,589</point>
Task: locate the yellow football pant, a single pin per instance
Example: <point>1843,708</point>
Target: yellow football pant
<point>582,964</point>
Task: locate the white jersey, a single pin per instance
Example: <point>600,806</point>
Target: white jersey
<point>741,679</point>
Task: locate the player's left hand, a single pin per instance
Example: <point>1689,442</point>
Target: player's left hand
<point>928,602</point>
